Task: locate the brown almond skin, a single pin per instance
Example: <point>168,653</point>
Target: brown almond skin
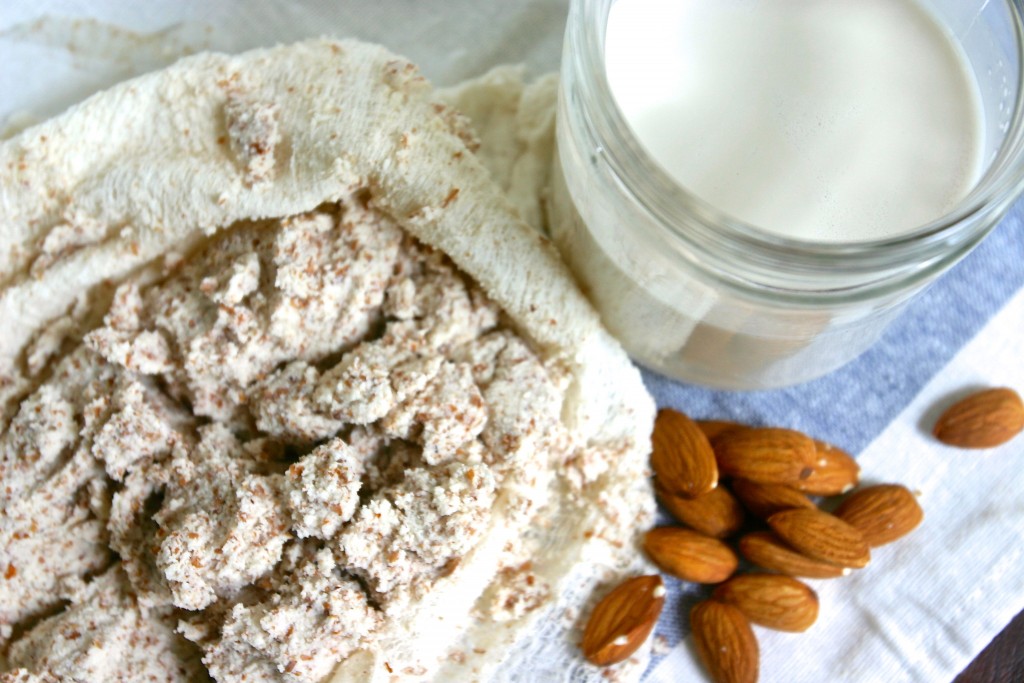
<point>821,536</point>
<point>768,551</point>
<point>834,472</point>
<point>725,642</point>
<point>883,513</point>
<point>716,513</point>
<point>689,555</point>
<point>771,600</point>
<point>764,500</point>
<point>712,428</point>
<point>681,455</point>
<point>984,419</point>
<point>768,455</point>
<point>627,614</point>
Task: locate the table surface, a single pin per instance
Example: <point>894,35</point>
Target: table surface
<point>1002,661</point>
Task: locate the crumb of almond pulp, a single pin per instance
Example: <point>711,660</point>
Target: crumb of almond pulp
<point>518,591</point>
<point>254,134</point>
<point>660,646</point>
<point>323,489</point>
<point>263,456</point>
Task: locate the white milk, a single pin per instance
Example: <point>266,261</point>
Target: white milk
<point>825,120</point>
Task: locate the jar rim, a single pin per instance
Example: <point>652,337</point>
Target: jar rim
<point>938,244</point>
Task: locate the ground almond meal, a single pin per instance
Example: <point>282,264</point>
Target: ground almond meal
<point>262,455</point>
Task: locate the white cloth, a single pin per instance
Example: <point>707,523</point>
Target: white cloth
<point>927,604</point>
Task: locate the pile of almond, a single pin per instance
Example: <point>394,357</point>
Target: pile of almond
<point>769,472</point>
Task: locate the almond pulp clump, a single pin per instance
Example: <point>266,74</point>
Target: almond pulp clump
<point>266,451</point>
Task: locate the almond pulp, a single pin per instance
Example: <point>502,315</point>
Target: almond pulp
<point>984,419</point>
<point>772,600</point>
<point>764,500</point>
<point>768,455</point>
<point>882,513</point>
<point>623,620</point>
<point>822,536</point>
<point>689,555</point>
<point>725,642</point>
<point>682,459</point>
<point>834,472</point>
<point>716,513</point>
<point>768,551</point>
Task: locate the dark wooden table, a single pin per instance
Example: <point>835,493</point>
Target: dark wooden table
<point>1002,661</point>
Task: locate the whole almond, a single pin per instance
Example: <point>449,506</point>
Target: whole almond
<point>834,472</point>
<point>623,620</point>
<point>768,551</point>
<point>689,555</point>
<point>712,428</point>
<point>725,642</point>
<point>764,500</point>
<point>982,420</point>
<point>681,455</point>
<point>821,536</point>
<point>882,513</point>
<point>767,455</point>
<point>716,513</point>
<point>772,600</point>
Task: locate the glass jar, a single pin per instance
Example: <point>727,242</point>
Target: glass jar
<point>707,299</point>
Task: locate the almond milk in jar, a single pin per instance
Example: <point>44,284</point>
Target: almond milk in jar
<point>750,190</point>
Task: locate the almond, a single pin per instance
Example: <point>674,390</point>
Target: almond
<point>821,536</point>
<point>725,642</point>
<point>623,620</point>
<point>834,472</point>
<point>712,428</point>
<point>982,420</point>
<point>716,513</point>
<point>768,551</point>
<point>882,513</point>
<point>767,455</point>
<point>689,555</point>
<point>764,500</point>
<point>772,600</point>
<point>682,459</point>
